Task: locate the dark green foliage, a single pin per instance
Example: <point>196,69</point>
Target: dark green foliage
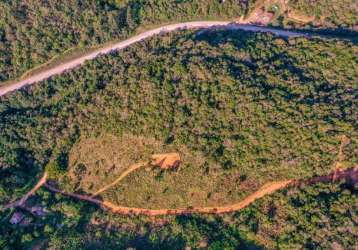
<point>272,108</point>
<point>32,32</point>
<point>244,100</point>
<point>315,217</point>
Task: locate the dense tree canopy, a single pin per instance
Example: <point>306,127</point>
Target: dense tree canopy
<point>244,100</point>
<point>32,32</point>
<point>266,106</point>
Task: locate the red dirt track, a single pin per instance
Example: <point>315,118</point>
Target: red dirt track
<point>349,175</point>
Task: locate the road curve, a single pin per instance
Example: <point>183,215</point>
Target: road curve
<point>349,175</point>
<point>123,44</point>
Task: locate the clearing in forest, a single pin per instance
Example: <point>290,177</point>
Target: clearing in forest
<point>129,171</point>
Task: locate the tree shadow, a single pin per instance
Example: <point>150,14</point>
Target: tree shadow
<point>216,36</point>
<point>335,33</point>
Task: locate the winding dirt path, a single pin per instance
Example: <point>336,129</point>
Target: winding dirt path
<point>350,175</point>
<point>121,177</point>
<point>58,69</point>
<point>266,189</point>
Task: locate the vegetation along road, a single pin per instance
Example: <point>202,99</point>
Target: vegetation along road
<point>349,175</point>
<point>123,44</point>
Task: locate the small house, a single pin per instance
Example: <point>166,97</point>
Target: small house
<point>17,218</point>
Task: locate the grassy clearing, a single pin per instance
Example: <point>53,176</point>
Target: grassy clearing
<point>202,184</point>
<point>96,162</point>
<point>198,182</point>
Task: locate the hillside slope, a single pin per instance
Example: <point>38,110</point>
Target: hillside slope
<point>245,106</point>
<point>240,108</point>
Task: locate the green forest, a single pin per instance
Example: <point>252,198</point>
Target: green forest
<point>252,103</point>
<point>227,96</point>
<point>33,32</point>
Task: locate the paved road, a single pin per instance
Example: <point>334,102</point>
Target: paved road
<point>121,45</point>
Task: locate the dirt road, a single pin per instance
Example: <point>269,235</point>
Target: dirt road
<point>269,188</point>
<point>121,177</point>
<point>22,201</point>
<point>126,43</point>
<point>350,175</point>
<point>265,190</point>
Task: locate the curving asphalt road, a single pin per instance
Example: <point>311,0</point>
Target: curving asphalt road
<point>121,45</point>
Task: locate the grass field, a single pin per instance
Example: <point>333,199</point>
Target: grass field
<point>95,162</point>
<point>198,182</point>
